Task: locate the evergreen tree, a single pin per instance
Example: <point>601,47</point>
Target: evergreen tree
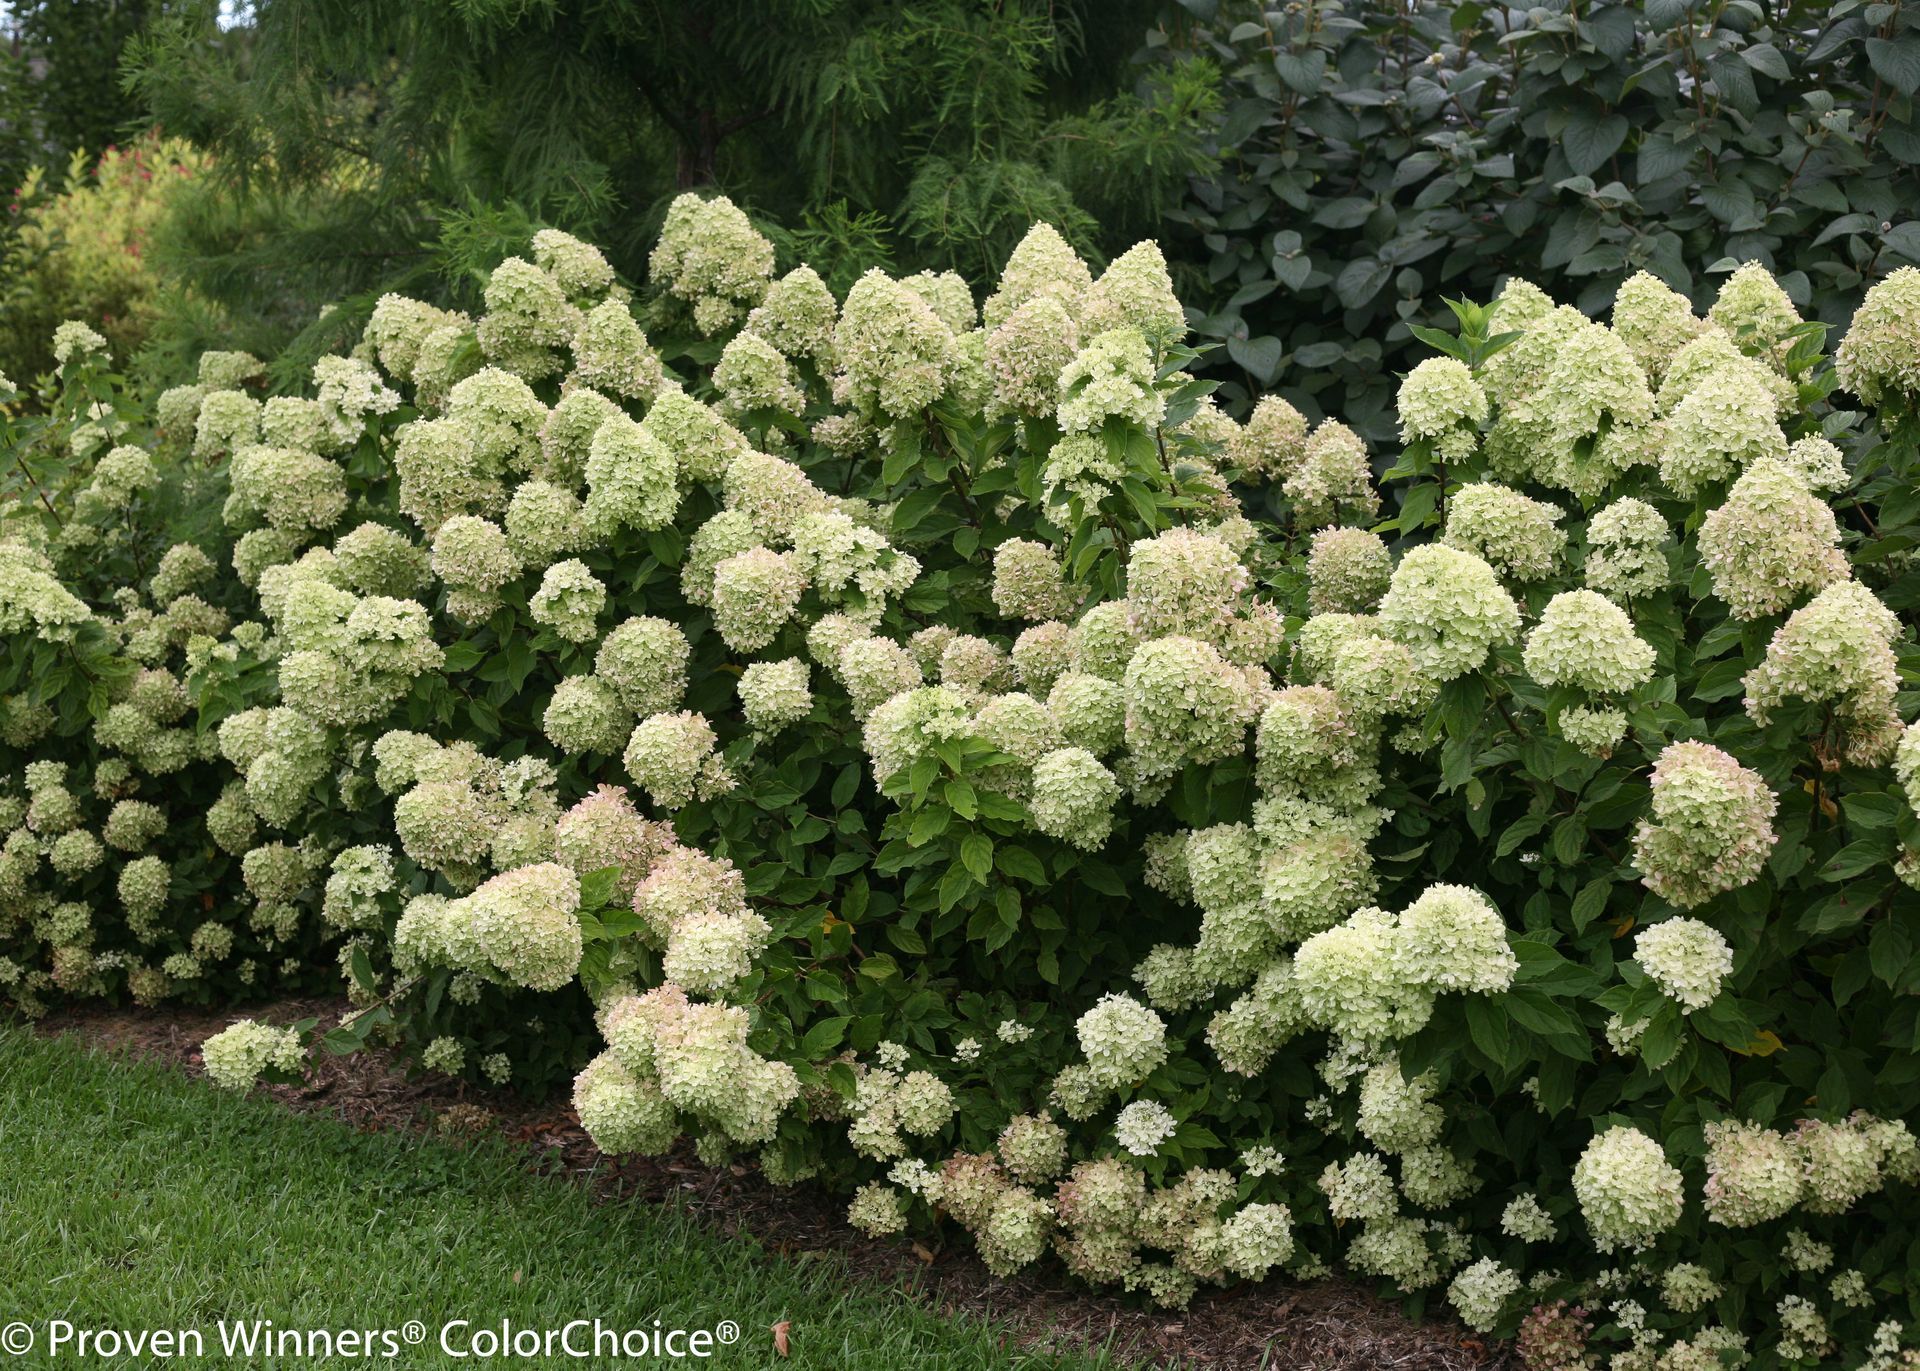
<point>60,90</point>
<point>370,147</point>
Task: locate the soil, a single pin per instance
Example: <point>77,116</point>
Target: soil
<point>1276,1325</point>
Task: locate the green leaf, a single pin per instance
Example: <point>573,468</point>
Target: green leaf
<point>928,824</point>
<point>1292,271</point>
<point>1487,1025</point>
<point>1360,280</point>
<point>824,1037</point>
<point>462,657</point>
<point>1102,877</point>
<point>1543,968</point>
<point>961,799</point>
<point>1518,832</point>
<point>1145,503</point>
<point>1591,902</point>
<point>1301,72</point>
<point>1856,858</point>
<point>1417,506</point>
<point>1896,61</point>
<point>1020,864</point>
<point>1766,59</point>
<point>1535,1011</point>
<point>1589,139</point>
<point>904,456</point>
<point>596,887</point>
<point>1721,680</point>
<point>1440,342</point>
<point>955,882</point>
<point>1245,115</point>
<point>1873,809</point>
<point>907,940</point>
<point>976,854</point>
<point>1662,1037</point>
<point>1890,950</point>
<point>436,990</point>
<point>1569,839</point>
<point>1260,356</point>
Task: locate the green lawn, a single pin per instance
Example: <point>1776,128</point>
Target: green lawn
<point>135,1198</point>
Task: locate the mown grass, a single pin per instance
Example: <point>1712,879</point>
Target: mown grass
<point>133,1197</point>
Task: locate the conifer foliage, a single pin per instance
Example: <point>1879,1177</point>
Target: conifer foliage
<point>363,148</point>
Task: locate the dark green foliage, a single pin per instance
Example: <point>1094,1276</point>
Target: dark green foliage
<point>368,148</point>
<point>60,81</point>
<point>1377,158</point>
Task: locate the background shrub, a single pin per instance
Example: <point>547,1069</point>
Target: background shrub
<point>1376,159</point>
<point>60,91</point>
<point>79,247</point>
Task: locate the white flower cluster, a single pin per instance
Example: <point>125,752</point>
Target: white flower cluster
<point>695,907</point>
<point>1626,557</point>
<point>1585,640</point>
<point>1711,826</point>
<point>1517,536</point>
<point>522,927</point>
<point>673,758</point>
<point>361,875</point>
<point>1879,358</point>
<point>236,1055</point>
<point>1440,402</point>
<point>1835,650</point>
<point>1687,959</point>
<point>712,257</point>
<point>1629,1193</point>
<point>669,1059</point>
<point>1374,977</point>
<point>1757,1174</point>
<point>1771,542</point>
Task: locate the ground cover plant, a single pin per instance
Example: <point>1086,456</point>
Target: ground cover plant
<point>926,746</point>
<point>135,1202</point>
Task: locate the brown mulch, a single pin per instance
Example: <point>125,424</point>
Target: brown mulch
<point>1328,1325</point>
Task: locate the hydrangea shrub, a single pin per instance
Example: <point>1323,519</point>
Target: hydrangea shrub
<point>932,749</point>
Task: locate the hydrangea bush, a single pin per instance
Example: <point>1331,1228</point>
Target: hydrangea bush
<point>126,834</point>
<point>871,737</point>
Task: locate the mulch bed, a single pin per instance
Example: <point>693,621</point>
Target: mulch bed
<point>1328,1325</point>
